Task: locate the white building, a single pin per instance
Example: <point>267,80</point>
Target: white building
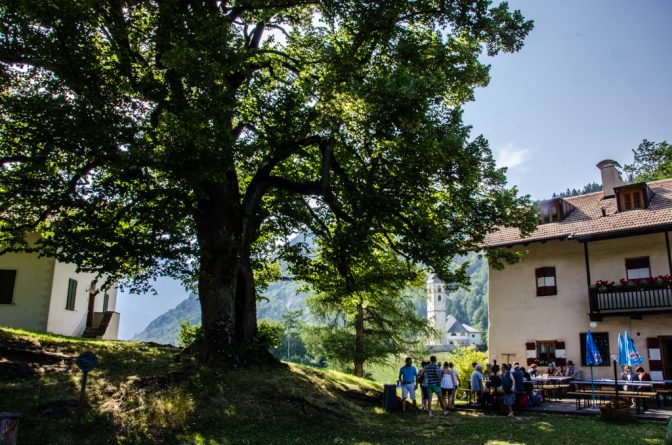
<point>452,332</point>
<point>43,294</point>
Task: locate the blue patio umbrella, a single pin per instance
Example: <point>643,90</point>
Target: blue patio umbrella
<point>633,357</point>
<point>593,358</point>
<point>627,353</point>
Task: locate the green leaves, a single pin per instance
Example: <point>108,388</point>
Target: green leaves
<point>189,138</point>
<point>653,161</point>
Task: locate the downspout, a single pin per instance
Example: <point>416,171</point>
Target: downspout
<point>669,256</point>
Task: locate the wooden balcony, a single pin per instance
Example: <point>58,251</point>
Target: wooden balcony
<point>629,301</point>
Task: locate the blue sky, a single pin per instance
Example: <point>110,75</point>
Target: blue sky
<point>593,79</point>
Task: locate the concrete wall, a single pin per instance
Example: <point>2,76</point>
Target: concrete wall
<point>30,306</point>
<point>112,332</point>
<point>518,316</point>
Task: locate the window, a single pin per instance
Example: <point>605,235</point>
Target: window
<point>637,268</point>
<point>633,196</point>
<point>452,334</point>
<point>106,302</point>
<point>7,278</point>
<point>632,200</point>
<point>72,293</point>
<point>439,297</point>
<point>545,352</point>
<point>550,212</point>
<point>602,343</point>
<point>546,284</point>
<point>439,289</point>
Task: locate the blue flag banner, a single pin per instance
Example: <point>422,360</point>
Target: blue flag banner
<point>593,356</point>
<point>633,356</point>
<point>622,352</point>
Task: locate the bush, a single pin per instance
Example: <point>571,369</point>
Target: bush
<point>189,334</point>
<point>269,336</point>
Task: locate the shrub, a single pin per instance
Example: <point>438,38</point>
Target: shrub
<point>189,334</point>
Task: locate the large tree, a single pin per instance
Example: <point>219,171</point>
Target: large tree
<point>144,138</point>
<point>652,161</point>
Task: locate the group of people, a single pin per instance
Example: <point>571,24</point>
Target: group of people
<point>433,379</point>
<point>494,384</point>
<point>640,374</point>
<point>552,371</point>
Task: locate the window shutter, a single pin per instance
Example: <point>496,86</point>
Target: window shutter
<point>7,279</point>
<point>560,353</point>
<point>637,263</point>
<point>655,359</point>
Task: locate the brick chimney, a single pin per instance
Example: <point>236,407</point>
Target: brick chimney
<point>611,177</point>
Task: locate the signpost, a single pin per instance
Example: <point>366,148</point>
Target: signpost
<point>87,361</point>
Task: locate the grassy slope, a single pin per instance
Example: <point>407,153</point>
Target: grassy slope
<point>132,402</point>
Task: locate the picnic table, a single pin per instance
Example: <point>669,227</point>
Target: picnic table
<point>552,387</point>
<point>602,390</point>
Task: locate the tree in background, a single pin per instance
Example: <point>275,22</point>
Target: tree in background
<point>145,138</point>
<point>359,295</point>
<point>588,188</point>
<point>292,322</point>
<point>652,161</point>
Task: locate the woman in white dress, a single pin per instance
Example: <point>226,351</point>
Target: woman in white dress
<point>447,386</point>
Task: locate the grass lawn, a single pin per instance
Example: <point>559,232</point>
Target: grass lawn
<point>142,395</point>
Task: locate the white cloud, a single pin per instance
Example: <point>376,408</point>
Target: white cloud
<point>512,157</point>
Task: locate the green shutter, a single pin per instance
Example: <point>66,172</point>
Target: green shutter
<point>72,293</point>
<point>7,279</point>
<point>106,302</point>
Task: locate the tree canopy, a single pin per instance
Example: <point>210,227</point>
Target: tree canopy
<point>143,138</point>
<point>652,161</point>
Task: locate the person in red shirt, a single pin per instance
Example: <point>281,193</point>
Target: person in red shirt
<point>642,375</point>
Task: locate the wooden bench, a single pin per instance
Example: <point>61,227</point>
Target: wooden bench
<point>663,393</point>
<point>584,399</point>
<point>554,391</point>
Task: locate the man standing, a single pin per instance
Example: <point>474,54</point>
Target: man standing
<point>508,387</point>
<point>408,377</point>
<point>477,383</point>
<point>433,373</point>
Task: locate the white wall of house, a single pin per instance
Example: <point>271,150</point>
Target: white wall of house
<point>518,316</point>
<point>61,320</point>
<point>30,304</point>
<point>463,338</point>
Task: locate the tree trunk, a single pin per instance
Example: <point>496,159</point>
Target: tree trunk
<point>359,341</point>
<point>226,281</point>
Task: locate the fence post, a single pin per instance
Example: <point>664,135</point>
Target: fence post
<point>9,428</point>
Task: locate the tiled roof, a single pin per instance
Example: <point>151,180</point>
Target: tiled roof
<point>587,221</point>
<point>452,325</point>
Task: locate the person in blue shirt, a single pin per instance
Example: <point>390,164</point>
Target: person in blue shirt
<point>408,381</point>
<point>508,384</point>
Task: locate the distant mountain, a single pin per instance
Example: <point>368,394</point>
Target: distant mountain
<point>164,328</point>
<point>280,297</point>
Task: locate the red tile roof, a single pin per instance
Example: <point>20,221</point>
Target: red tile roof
<point>586,221</point>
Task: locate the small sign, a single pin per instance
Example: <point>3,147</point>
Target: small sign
<point>87,361</point>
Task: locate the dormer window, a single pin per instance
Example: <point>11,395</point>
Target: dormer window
<point>633,196</point>
<point>554,210</point>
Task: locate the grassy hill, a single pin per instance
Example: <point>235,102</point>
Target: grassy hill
<point>142,395</point>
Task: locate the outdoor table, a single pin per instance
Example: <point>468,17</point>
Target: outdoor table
<point>635,388</point>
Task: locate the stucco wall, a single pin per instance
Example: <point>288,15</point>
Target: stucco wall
<point>517,315</point>
<point>63,321</point>
<point>30,305</point>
